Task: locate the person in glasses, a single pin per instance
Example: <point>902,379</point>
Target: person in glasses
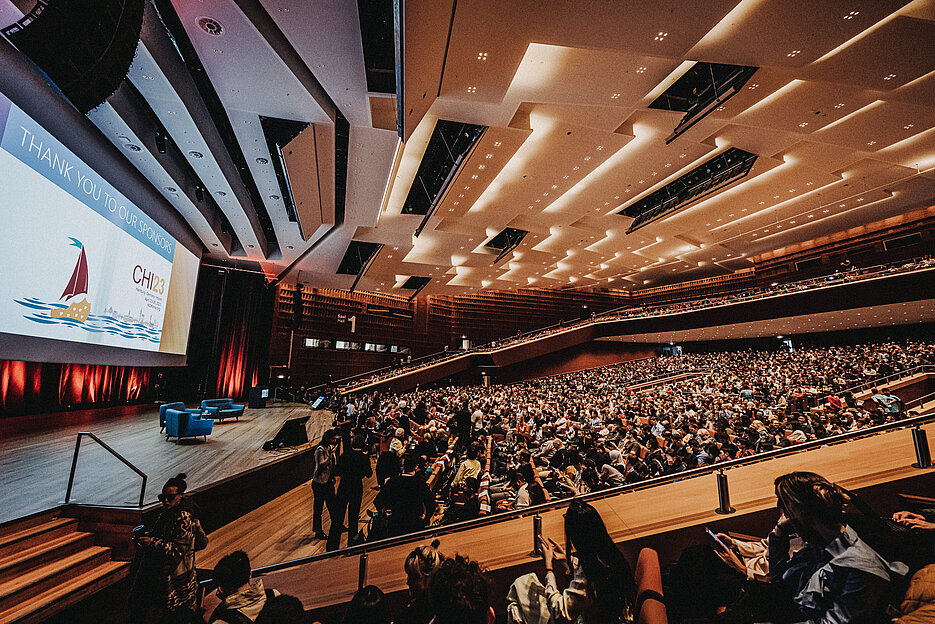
<point>165,586</point>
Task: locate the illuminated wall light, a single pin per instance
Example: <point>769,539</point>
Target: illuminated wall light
<point>555,186</point>
<point>497,144</point>
<point>489,156</point>
<point>871,143</point>
<point>615,96</point>
<point>839,105</point>
<point>889,77</point>
<point>641,70</point>
<point>907,126</point>
<point>481,167</point>
<point>587,158</point>
<point>600,148</point>
<point>803,124</point>
<point>474,177</point>
<point>753,86</point>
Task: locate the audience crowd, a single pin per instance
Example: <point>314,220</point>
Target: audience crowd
<point>595,429</point>
<point>845,274</point>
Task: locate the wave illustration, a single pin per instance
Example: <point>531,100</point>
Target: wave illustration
<point>95,323</point>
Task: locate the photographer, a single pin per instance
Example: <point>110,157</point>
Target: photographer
<point>165,588</point>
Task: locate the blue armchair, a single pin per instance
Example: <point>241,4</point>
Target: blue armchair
<point>222,408</point>
<point>174,406</point>
<point>183,424</point>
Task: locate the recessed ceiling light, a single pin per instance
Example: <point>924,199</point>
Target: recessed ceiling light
<point>794,53</point>
<point>275,197</point>
<point>195,154</point>
<point>262,161</point>
<point>133,147</point>
<point>661,36</point>
<point>211,26</point>
<point>472,89</point>
<point>851,15</point>
<point>220,193</point>
<point>171,189</point>
<point>481,56</point>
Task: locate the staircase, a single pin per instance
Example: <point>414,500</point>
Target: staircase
<point>47,564</point>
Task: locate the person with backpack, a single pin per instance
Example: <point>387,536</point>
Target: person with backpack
<point>242,600</point>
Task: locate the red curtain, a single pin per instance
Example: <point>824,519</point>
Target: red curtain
<point>21,385</point>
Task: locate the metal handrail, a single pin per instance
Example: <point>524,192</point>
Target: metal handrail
<point>74,465</point>
<point>916,421</point>
<point>925,398</point>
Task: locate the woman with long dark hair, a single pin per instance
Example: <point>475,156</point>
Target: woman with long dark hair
<point>602,589</point>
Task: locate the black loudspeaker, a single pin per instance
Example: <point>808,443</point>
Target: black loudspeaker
<point>293,433</point>
<point>298,307</point>
<point>584,313</point>
<point>85,46</point>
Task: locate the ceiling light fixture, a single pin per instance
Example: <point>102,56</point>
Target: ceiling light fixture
<point>481,56</point>
<point>472,89</point>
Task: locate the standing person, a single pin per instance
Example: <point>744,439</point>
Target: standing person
<point>165,588</point>
<point>352,468</point>
<point>323,481</point>
<point>406,500</point>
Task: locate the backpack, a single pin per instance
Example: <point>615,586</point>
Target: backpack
<point>233,616</point>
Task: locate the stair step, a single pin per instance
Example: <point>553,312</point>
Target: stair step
<point>14,526</point>
<point>44,605</point>
<point>31,558</point>
<point>33,536</point>
<point>51,575</point>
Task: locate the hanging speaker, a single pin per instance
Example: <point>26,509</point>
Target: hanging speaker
<point>85,46</point>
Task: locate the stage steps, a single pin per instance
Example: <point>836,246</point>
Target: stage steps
<point>47,564</point>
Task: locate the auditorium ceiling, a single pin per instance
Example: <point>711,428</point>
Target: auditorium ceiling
<point>839,114</point>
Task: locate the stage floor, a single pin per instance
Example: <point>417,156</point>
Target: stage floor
<point>34,466</point>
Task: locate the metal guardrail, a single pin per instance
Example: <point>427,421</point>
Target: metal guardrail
<point>74,465</point>
<point>914,423</point>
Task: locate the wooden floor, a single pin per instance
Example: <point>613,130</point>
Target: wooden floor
<point>856,464</point>
<point>280,530</point>
<point>34,466</point>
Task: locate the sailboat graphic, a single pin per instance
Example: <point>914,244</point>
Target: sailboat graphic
<point>77,285</point>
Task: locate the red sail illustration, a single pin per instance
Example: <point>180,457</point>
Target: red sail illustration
<point>79,278</point>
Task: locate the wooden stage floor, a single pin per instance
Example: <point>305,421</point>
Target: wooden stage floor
<point>34,466</point>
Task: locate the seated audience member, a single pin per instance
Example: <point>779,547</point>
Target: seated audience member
<point>459,593</point>
<point>282,609</point>
<point>368,606</point>
<point>241,600</point>
<point>406,500</point>
<point>836,576</point>
<point>602,589</point>
<point>420,565</point>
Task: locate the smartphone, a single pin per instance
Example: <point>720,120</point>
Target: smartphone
<point>717,540</point>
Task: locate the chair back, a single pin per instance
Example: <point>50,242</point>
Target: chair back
<point>650,604</point>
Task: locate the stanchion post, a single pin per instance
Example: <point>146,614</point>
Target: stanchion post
<point>362,571</point>
<point>536,534</point>
<point>723,495</point>
<point>921,443</point>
